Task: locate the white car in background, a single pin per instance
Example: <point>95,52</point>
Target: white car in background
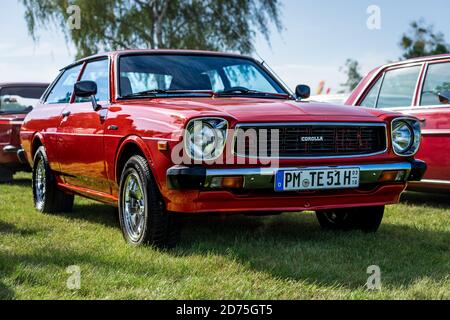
<point>330,98</point>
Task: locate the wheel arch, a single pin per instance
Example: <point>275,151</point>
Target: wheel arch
<point>36,142</point>
<point>131,145</point>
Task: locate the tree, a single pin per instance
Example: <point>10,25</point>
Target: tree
<point>177,24</point>
<point>421,41</point>
<point>352,70</point>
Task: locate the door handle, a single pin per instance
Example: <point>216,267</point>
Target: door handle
<point>66,113</point>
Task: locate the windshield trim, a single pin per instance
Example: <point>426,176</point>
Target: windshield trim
<point>261,65</point>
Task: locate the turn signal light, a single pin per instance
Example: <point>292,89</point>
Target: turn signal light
<point>392,176</point>
<point>232,182</point>
<point>227,182</point>
<point>163,145</point>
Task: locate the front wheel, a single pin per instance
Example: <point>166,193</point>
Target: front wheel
<point>142,213</point>
<point>366,219</point>
<point>46,195</point>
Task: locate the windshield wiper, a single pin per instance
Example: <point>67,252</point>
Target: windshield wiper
<point>156,92</point>
<point>247,92</point>
<point>152,92</point>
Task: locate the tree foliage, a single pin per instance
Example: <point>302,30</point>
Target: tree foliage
<point>352,70</point>
<point>421,40</point>
<point>176,24</point>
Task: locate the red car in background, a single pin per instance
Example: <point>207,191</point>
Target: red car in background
<point>419,88</point>
<point>16,100</point>
<point>164,133</point>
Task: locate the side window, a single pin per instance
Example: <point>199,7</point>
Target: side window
<point>371,98</point>
<point>398,87</point>
<point>97,71</point>
<point>62,90</point>
<point>437,80</point>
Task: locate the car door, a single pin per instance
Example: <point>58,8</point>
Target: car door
<point>81,134</point>
<point>435,115</point>
<point>49,114</point>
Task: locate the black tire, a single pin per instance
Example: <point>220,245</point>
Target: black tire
<point>365,219</point>
<point>46,195</point>
<point>150,223</point>
<point>6,175</point>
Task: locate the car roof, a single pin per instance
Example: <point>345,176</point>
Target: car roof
<point>23,84</point>
<point>408,62</point>
<point>156,51</point>
<point>420,59</point>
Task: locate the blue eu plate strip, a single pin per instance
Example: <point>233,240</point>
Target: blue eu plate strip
<point>279,181</point>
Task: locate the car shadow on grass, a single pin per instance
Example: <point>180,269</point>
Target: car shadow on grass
<point>21,182</point>
<point>435,200</point>
<point>290,248</point>
<point>6,293</point>
<point>8,228</point>
<point>295,248</point>
<point>95,213</point>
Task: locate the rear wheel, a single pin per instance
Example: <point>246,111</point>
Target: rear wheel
<point>6,175</point>
<point>142,214</point>
<point>365,219</point>
<point>46,195</point>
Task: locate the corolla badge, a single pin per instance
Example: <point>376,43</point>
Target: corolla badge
<point>312,139</point>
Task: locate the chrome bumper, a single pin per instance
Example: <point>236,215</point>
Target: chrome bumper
<point>10,149</point>
<point>194,178</point>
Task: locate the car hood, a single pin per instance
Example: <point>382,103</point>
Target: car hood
<point>259,110</point>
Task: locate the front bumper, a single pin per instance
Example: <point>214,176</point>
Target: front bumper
<point>10,149</point>
<point>8,155</point>
<point>201,178</point>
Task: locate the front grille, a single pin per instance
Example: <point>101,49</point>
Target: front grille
<point>310,140</point>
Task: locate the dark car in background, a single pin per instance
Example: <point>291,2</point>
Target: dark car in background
<point>16,101</point>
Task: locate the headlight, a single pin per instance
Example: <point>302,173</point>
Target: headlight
<point>406,136</point>
<point>205,138</point>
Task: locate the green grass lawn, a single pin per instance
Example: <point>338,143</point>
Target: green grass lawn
<point>284,257</point>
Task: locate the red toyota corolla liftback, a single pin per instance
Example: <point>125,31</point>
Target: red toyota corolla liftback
<point>162,134</point>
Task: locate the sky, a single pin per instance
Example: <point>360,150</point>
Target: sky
<point>317,38</point>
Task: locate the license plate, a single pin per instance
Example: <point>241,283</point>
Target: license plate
<point>316,179</point>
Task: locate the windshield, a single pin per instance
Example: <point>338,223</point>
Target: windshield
<point>158,74</point>
<point>17,100</point>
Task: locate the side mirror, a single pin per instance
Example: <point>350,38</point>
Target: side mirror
<point>444,97</point>
<point>87,89</point>
<point>303,91</point>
